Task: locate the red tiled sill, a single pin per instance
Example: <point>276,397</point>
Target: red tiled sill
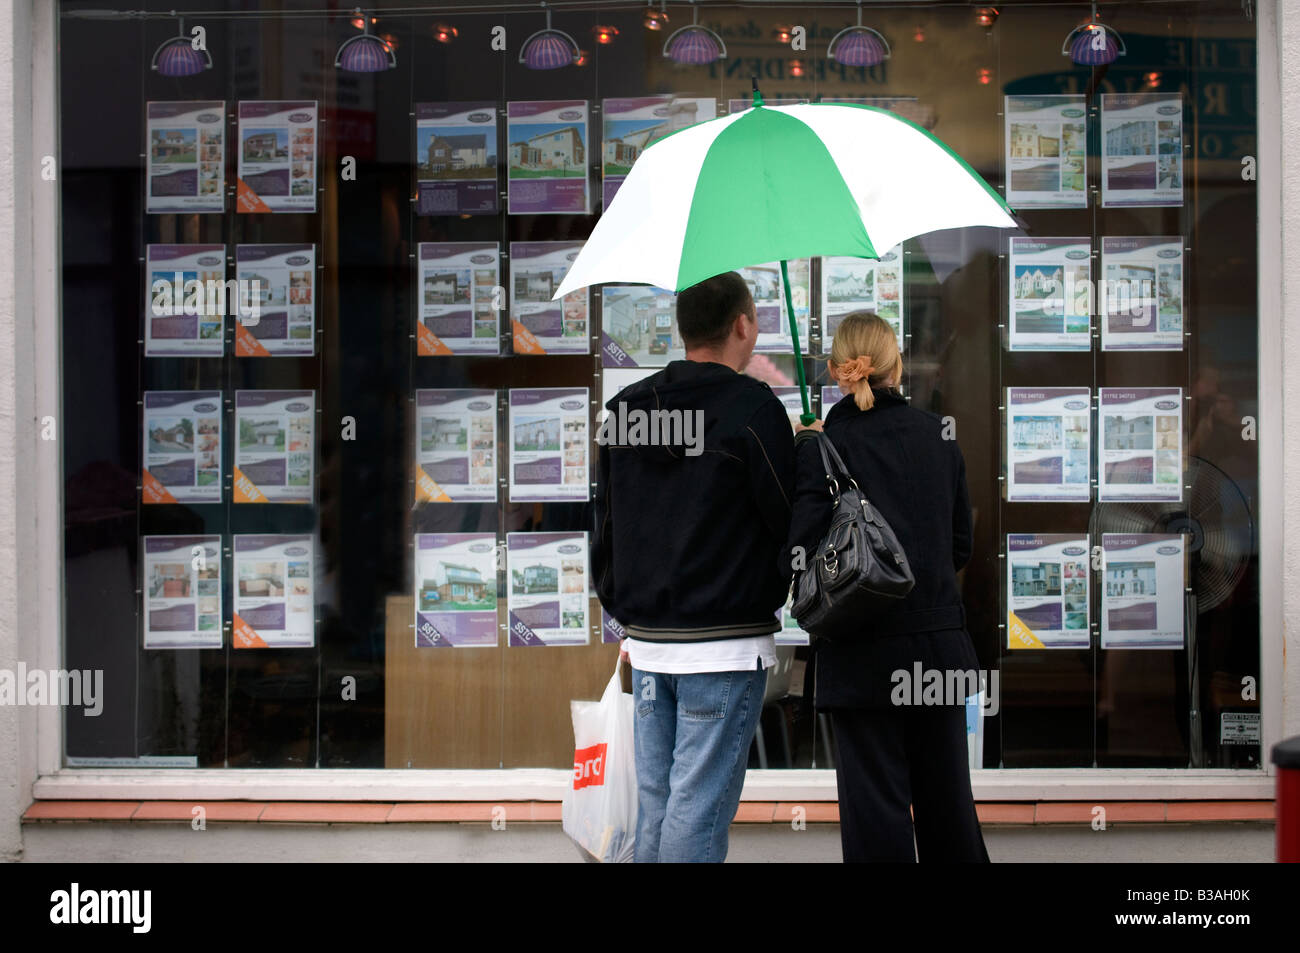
<point>482,812</point>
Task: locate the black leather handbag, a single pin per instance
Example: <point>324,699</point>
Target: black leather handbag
<point>858,567</point>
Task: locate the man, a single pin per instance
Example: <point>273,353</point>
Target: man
<point>687,555</point>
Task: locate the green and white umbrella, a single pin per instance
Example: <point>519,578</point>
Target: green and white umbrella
<point>774,183</point>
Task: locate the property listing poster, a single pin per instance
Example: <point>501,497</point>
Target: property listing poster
<point>173,327</point>
<point>186,162</point>
<point>790,633</point>
<point>611,630</point>
<point>1047,591</point>
<point>908,107</point>
<point>1142,149</point>
<point>632,125</point>
<point>455,590</point>
<point>791,399</point>
<point>286,288</point>
<point>182,592</point>
<point>277,156</point>
<point>830,396</point>
<point>1141,299</point>
<point>275,603</point>
<point>1049,443</point>
<point>612,381</point>
<point>1142,604</point>
<point>638,327</point>
<point>275,449</point>
<point>548,157</point>
<point>740,105</point>
<point>457,298</point>
<point>456,158</point>
<point>182,447</point>
<point>1140,454</point>
<point>1051,300</point>
<point>1046,150</point>
<point>548,600</point>
<point>538,324</point>
<point>456,446</point>
<point>862,284</point>
<point>548,444</point>
<point>769,301</point>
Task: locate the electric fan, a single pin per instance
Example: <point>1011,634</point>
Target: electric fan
<point>1216,520</point>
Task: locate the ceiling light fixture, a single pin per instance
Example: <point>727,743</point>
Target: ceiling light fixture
<point>1092,43</point>
<point>178,57</point>
<point>695,45</point>
<point>549,48</point>
<point>365,52</point>
<point>858,45</point>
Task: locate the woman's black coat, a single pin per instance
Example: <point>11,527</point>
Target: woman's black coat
<point>917,481</point>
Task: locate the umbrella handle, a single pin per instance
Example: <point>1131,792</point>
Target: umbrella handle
<point>807,417</point>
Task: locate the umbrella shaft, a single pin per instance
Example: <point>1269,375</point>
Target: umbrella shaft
<point>807,416</point>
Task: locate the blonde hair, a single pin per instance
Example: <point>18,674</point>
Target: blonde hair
<point>865,353</point>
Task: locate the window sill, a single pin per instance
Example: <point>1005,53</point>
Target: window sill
<point>1090,785</point>
<point>513,812</point>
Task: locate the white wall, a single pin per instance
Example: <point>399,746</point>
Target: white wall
<point>30,475</point>
<point>1284,35</point>
<point>13,208</point>
<point>154,842</point>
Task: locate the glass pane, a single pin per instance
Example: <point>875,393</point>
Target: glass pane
<point>175,429</point>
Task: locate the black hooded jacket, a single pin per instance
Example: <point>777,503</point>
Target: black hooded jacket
<point>916,480</point>
<point>687,539</point>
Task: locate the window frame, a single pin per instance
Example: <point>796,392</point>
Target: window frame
<point>39,592</point>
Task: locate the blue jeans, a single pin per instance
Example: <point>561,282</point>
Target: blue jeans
<point>693,734</point>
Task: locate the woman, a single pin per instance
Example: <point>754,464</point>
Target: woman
<point>892,752</point>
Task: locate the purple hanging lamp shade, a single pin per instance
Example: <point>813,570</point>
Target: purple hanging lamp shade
<point>1092,43</point>
<point>858,45</point>
<point>365,52</point>
<point>177,57</point>
<point>695,45</point>
<point>549,49</point>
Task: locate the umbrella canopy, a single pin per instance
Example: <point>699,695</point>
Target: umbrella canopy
<point>779,182</point>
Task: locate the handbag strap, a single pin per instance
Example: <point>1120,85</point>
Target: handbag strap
<point>835,455</point>
<point>836,471</point>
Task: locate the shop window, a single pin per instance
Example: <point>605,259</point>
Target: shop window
<point>274,527</point>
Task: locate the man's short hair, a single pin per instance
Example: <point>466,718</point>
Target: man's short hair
<point>706,311</point>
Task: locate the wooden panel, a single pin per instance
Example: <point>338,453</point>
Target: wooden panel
<point>442,706</point>
<point>484,708</point>
<point>539,684</point>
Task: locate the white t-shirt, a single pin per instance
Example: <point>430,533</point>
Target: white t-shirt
<point>690,658</point>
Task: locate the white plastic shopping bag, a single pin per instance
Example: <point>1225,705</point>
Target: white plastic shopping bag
<point>599,809</point>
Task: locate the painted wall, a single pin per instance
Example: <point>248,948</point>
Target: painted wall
<point>29,466</point>
<point>1286,35</point>
<point>30,473</point>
